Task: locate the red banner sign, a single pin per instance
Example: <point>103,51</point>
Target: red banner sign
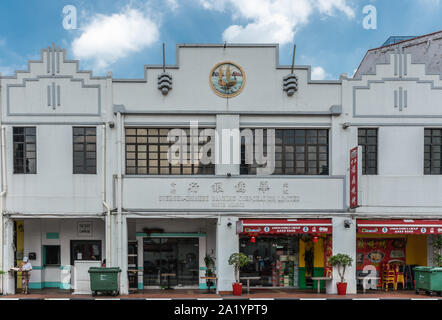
<point>354,203</point>
<point>400,227</point>
<point>295,226</point>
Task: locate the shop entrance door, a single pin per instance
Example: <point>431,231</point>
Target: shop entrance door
<point>178,256</point>
<point>274,259</point>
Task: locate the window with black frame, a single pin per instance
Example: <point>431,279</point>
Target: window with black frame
<point>85,150</point>
<point>25,150</point>
<point>85,250</point>
<point>51,256</point>
<point>297,152</point>
<point>368,140</point>
<point>433,148</point>
<point>147,153</point>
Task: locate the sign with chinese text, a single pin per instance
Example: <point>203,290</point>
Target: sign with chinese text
<point>354,203</point>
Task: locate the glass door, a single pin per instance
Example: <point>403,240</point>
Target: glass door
<point>176,256</point>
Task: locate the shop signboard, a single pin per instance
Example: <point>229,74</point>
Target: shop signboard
<point>296,226</point>
<point>354,203</point>
<point>400,227</point>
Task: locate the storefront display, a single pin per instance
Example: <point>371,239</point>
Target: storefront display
<point>379,251</point>
<point>274,259</point>
<point>285,252</point>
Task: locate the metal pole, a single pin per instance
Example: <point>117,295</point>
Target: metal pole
<point>293,58</point>
<point>164,58</point>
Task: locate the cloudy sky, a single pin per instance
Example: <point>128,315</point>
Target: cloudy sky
<point>123,35</point>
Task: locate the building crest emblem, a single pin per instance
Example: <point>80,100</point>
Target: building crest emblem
<point>227,79</point>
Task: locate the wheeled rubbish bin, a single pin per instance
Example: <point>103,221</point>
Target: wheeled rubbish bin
<point>428,279</point>
<point>104,280</point>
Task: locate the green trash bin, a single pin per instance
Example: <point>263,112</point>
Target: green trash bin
<point>428,279</point>
<point>104,280</point>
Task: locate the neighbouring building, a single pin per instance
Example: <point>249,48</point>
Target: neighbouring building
<point>86,176</point>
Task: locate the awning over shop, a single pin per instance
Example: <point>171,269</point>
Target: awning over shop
<point>399,226</point>
<point>284,226</point>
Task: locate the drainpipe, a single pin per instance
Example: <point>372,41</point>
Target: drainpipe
<point>119,190</point>
<point>105,204</point>
<point>2,195</point>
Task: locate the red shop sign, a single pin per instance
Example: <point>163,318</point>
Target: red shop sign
<point>400,226</point>
<point>354,203</point>
<point>295,226</point>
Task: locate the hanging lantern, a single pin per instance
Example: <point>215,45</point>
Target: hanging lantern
<point>252,239</point>
<point>315,239</point>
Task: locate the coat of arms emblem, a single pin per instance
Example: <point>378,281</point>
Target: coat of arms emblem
<point>227,79</point>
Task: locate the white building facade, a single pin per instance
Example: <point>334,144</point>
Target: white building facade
<point>85,173</point>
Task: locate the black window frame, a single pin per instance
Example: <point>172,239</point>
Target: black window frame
<point>364,134</point>
<point>58,255</point>
<point>148,145</point>
<point>432,151</point>
<point>86,242</point>
<point>24,138</point>
<point>84,151</point>
<point>295,157</point>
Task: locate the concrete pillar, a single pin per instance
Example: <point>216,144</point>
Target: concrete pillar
<point>344,241</point>
<point>227,242</point>
<point>8,256</point>
<point>124,282</point>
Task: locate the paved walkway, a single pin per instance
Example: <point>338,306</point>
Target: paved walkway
<point>54,294</point>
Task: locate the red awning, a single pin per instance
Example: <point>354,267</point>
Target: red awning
<point>399,226</point>
<point>285,226</point>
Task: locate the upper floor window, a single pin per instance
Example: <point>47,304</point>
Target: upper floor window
<point>297,152</point>
<point>433,145</point>
<point>368,140</point>
<point>25,150</point>
<point>147,153</point>
<point>85,150</point>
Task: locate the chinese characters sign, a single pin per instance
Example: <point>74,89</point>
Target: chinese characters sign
<point>354,203</point>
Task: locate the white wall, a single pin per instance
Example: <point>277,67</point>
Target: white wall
<point>35,237</point>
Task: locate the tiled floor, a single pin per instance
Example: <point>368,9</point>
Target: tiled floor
<point>202,294</point>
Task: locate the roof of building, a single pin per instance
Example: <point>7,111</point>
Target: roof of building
<point>425,49</point>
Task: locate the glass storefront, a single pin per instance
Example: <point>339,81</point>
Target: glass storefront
<point>176,256</point>
<point>274,259</point>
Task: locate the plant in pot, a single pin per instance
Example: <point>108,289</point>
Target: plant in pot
<point>238,260</point>
<point>341,261</point>
<point>210,263</point>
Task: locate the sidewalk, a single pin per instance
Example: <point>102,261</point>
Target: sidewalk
<point>272,294</point>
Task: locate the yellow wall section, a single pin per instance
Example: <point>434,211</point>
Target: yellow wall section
<point>416,250</point>
<point>318,250</point>
<point>20,233</point>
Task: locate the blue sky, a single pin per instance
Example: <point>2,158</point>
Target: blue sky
<point>124,35</point>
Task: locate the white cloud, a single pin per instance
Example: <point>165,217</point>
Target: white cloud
<point>318,73</point>
<point>108,38</point>
<point>273,20</point>
<point>173,4</point>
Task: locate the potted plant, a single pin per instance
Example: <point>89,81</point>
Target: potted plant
<point>238,260</point>
<point>210,263</point>
<point>342,261</point>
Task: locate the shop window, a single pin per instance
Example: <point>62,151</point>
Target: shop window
<point>25,150</point>
<point>51,255</point>
<point>432,158</point>
<point>85,250</point>
<point>275,260</point>
<point>147,153</point>
<point>368,140</point>
<point>297,152</point>
<point>85,150</point>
